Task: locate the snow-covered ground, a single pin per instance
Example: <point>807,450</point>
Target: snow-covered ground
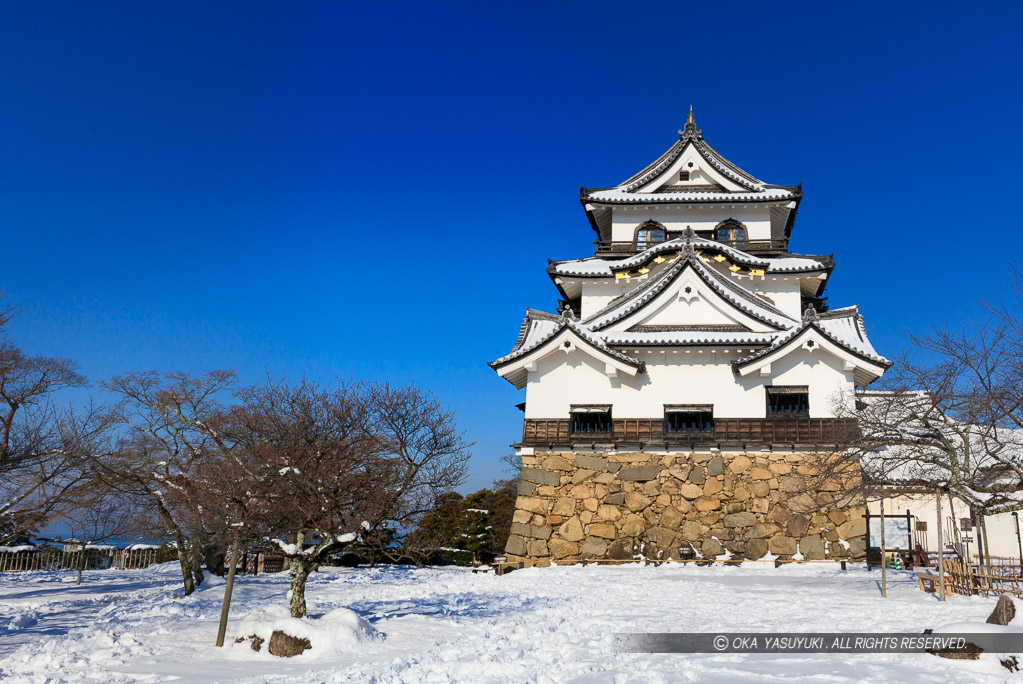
<point>443,625</point>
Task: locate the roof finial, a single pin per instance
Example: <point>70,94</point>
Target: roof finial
<point>690,128</point>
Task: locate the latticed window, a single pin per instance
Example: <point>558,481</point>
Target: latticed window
<point>591,419</point>
<point>689,418</point>
<point>731,233</point>
<point>788,401</point>
<point>649,234</point>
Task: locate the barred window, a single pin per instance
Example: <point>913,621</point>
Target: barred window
<point>788,401</point>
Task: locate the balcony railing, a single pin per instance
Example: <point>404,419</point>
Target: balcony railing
<point>760,247</point>
<point>752,431</point>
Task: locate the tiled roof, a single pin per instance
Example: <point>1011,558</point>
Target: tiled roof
<point>539,330</point>
<point>619,196</point>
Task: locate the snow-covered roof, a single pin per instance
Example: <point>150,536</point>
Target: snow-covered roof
<point>620,196</point>
<point>688,338</point>
<point>596,267</point>
<point>685,260</point>
<point>531,342</point>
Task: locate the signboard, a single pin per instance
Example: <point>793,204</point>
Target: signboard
<point>896,532</point>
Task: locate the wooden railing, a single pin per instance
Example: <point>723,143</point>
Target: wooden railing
<point>773,246</point>
<point>759,431</point>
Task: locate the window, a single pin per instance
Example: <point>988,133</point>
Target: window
<point>689,418</point>
<point>783,402</point>
<point>683,175</point>
<point>649,234</point>
<point>731,233</point>
<point>590,418</point>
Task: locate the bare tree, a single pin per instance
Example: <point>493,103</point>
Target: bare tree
<point>170,430</point>
<point>38,440</point>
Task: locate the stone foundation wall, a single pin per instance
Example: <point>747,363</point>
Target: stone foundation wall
<point>574,506</point>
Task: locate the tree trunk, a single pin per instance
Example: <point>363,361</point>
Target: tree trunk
<point>196,561</point>
<point>299,569</point>
<point>179,541</point>
<point>215,559</point>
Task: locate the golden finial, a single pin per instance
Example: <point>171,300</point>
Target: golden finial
<point>691,119</point>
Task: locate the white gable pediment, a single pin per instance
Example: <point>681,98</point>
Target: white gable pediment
<point>701,173</point>
<point>689,301</point>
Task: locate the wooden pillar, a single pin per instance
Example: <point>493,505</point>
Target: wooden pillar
<point>884,564</point>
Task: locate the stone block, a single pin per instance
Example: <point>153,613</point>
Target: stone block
<point>716,466</point>
<point>534,531</point>
<point>606,512</point>
<point>593,547</point>
<point>782,546</point>
<point>526,488</point>
<point>636,501</point>
<point>698,475</point>
<point>521,516</point>
<point>538,548</point>
<point>744,519</point>
<point>603,530</point>
<point>792,484</point>
<point>661,536</point>
<point>591,503</point>
<point>712,486</point>
<point>780,468</point>
<point>580,476</point>
<point>852,528</point>
<point>836,516</point>
<point>590,462</point>
<point>797,525</point>
<point>554,462</point>
<point>580,491</point>
<point>631,457</point>
<point>614,467</point>
<point>711,548</point>
<point>760,488</point>
<point>761,474</point>
<point>559,548</point>
<point>708,503</point>
<point>531,504</point>
<point>620,550</point>
<point>756,548</point>
<point>616,499</point>
<point>544,477</point>
<point>739,464</point>
<point>640,473</point>
<point>564,506</point>
<point>812,547</point>
<point>691,491</point>
<point>516,546</point>
<point>694,531</point>
<point>764,530</point>
<point>632,527</point>
<point>572,530</point>
<point>671,518</point>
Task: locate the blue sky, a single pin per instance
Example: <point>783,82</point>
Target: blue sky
<point>328,189</point>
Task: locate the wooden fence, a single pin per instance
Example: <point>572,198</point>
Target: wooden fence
<point>994,576</point>
<point>49,558</point>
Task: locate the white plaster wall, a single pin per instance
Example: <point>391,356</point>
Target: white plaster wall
<point>1001,528</point>
<point>679,376</point>
<point>700,172</point>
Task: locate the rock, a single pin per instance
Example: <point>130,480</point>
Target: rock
<point>660,536</point>
<point>739,464</point>
<point>792,484</point>
<point>1004,612</point>
<point>580,491</point>
<point>782,546</point>
<point>544,477</point>
<point>698,475</point>
<point>634,457</point>
<point>735,508</point>
<point>740,520</point>
<point>537,548</point>
<point>606,512</point>
<point>640,473</point>
<point>593,548</point>
<point>812,547</point>
<point>636,501</point>
<point>857,547</point>
<point>604,530</point>
<point>590,504</point>
<point>534,531</point>
<point>764,530</point>
<point>760,489</point>
<point>694,531</point>
<point>711,548</point>
<point>255,642</point>
<point>564,506</point>
<point>620,550</point>
<point>286,646</point>
<point>614,467</point>
<point>712,487</point>
<point>516,546</point>
<point>707,503</point>
<point>560,548</point>
<point>761,474</point>
<point>555,462</point>
<point>590,462</point>
<point>633,525</point>
<point>716,466</point>
<point>580,476</point>
<point>616,499</point>
<point>797,526</point>
<point>531,504</point>
<point>671,518</point>
<point>572,530</point>
<point>546,491</point>
<point>852,528</point>
<point>837,517</point>
<point>780,468</point>
<point>691,491</point>
<point>802,502</point>
<point>526,488</point>
<point>741,494</point>
<point>756,548</point>
<point>521,516</point>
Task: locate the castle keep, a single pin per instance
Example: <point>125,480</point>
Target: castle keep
<point>679,402</point>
